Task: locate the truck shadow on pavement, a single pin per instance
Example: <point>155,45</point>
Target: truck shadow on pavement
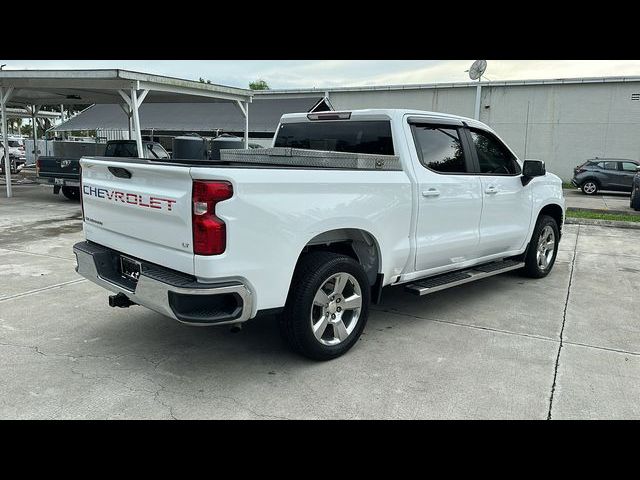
<point>188,351</point>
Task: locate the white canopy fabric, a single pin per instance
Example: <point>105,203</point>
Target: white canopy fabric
<point>265,115</point>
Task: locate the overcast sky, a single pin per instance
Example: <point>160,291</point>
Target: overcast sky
<point>341,73</point>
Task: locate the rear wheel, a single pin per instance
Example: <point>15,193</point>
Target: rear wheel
<point>328,306</point>
<point>72,193</point>
<point>590,187</point>
<point>543,248</point>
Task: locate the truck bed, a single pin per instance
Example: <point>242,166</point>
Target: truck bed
<point>280,158</point>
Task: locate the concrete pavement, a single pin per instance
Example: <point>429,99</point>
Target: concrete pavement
<point>567,346</point>
<point>617,201</point>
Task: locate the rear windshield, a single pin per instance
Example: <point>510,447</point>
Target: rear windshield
<point>340,136</point>
<point>121,149</point>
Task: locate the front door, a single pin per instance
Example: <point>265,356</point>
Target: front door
<point>507,204</point>
<point>628,171</point>
<point>449,197</point>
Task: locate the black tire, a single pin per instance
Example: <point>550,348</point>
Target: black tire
<point>72,193</point>
<point>532,267</point>
<point>634,202</point>
<point>312,272</point>
<point>590,186</point>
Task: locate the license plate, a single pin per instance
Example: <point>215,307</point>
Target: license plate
<point>130,268</point>
<point>58,181</point>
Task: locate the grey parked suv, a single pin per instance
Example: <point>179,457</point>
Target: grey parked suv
<point>605,174</point>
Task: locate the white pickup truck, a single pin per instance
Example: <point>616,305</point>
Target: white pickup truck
<point>423,199</point>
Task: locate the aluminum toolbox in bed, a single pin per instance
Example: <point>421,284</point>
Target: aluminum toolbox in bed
<point>296,157</point>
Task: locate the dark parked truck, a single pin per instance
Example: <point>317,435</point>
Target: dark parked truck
<point>63,172</point>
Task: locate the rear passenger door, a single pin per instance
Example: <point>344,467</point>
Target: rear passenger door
<point>449,196</point>
<point>507,204</point>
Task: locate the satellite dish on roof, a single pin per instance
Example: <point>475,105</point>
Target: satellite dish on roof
<point>477,69</point>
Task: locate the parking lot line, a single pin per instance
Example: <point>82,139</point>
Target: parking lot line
<point>38,290</point>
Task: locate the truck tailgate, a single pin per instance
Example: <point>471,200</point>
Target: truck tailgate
<point>58,167</point>
<point>140,209</point>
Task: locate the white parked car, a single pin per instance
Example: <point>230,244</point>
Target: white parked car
<point>17,154</point>
<point>423,199</point>
<point>16,148</point>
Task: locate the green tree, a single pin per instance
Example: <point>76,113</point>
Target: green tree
<point>259,85</point>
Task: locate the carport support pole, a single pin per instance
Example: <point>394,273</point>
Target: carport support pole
<point>136,121</point>
<point>5,93</point>
<point>34,127</point>
<point>246,125</point>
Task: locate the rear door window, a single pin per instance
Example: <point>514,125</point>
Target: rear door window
<point>373,136</point>
<point>440,148</point>
<point>611,165</point>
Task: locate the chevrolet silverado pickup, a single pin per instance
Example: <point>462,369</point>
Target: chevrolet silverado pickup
<point>312,229</point>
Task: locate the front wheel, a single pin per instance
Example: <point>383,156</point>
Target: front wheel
<point>543,248</point>
<point>327,307</point>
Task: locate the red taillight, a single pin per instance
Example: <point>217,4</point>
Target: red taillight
<point>209,232</point>
<point>81,192</point>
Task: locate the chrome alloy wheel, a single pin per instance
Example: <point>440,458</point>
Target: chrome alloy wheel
<point>589,188</point>
<point>546,247</point>
<point>336,309</point>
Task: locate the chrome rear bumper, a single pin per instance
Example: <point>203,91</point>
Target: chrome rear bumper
<point>165,291</point>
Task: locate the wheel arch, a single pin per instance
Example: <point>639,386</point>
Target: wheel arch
<point>555,211</point>
<point>356,243</point>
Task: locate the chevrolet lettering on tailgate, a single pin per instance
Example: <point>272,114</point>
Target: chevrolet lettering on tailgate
<point>147,201</point>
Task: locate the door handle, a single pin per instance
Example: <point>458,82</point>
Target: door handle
<point>432,192</point>
<point>491,190</point>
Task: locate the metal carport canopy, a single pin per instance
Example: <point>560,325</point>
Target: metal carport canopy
<point>113,86</point>
<point>265,115</point>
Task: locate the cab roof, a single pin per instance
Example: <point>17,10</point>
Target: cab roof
<point>391,113</point>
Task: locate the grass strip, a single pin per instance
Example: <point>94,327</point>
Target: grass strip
<point>602,216</point>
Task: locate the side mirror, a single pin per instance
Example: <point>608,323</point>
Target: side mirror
<point>531,169</point>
